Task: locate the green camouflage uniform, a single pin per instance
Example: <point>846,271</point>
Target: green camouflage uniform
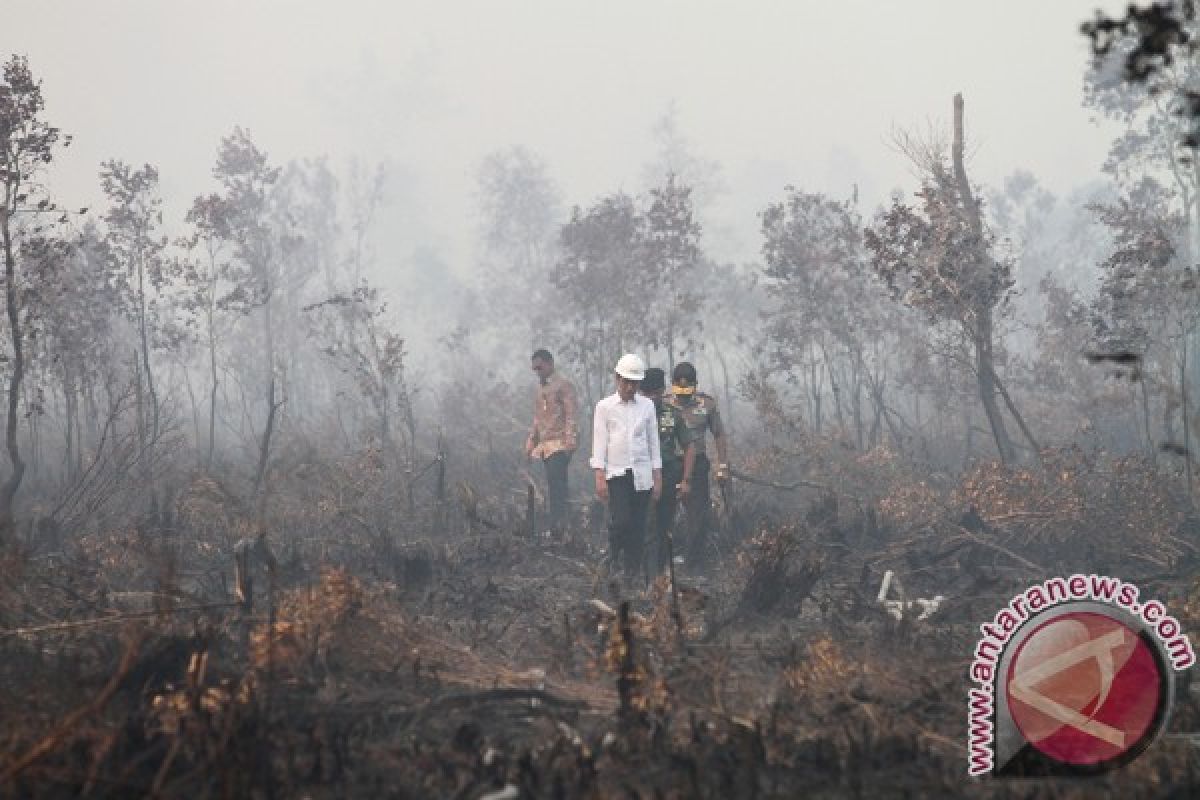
<point>700,415</point>
<point>674,435</point>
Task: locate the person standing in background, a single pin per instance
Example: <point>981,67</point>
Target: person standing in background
<point>553,435</point>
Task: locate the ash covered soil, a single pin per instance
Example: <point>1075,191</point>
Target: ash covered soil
<point>446,650</point>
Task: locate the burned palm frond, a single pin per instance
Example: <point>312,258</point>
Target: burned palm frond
<point>826,670</point>
<point>281,648</point>
<point>639,691</point>
<point>201,708</point>
<point>667,626</point>
<point>306,622</point>
<point>779,567</point>
<point>246,553</point>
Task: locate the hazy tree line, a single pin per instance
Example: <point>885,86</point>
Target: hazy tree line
<point>957,322</point>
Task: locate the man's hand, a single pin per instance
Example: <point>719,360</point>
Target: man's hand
<point>529,445</point>
<point>601,487</point>
<point>683,490</point>
<point>722,472</point>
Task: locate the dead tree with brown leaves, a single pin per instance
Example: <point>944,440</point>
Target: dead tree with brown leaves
<point>940,257</point>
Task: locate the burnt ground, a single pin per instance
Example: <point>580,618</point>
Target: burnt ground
<point>442,650</point>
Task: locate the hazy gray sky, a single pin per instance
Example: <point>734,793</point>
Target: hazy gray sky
<point>777,92</point>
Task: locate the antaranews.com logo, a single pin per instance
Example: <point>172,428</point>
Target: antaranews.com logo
<point>1074,676</point>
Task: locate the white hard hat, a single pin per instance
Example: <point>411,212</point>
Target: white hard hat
<point>631,367</point>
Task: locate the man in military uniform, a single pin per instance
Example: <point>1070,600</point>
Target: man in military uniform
<point>700,414</point>
<point>553,435</point>
<point>678,460</point>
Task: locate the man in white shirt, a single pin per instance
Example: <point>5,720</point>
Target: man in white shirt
<point>627,462</point>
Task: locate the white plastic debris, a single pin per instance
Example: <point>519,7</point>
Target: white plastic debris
<point>603,607</point>
<point>930,605</point>
<point>889,578</point>
<point>569,732</point>
<point>922,607</point>
<point>509,792</point>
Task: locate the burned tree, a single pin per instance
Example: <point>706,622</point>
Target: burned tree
<point>27,146</point>
<point>940,257</point>
<point>357,340</point>
<point>1147,304</point>
<point>76,343</point>
<point>135,245</point>
<point>262,238</point>
<point>605,287</point>
<point>209,289</point>
<point>673,252</point>
<point>521,210</point>
<point>827,323</point>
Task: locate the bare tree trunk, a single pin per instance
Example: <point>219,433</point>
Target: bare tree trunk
<point>80,441</point>
<point>212,398</point>
<point>1192,325</point>
<point>986,378</point>
<point>404,401</point>
<point>815,393</point>
<point>187,382</point>
<point>8,490</point>
<point>384,401</point>
<point>439,490</point>
<point>969,444</point>
<point>814,389</point>
<point>141,414</point>
<point>1187,432</point>
<point>145,340</point>
<point>670,345</point>
<point>857,382</point>
<point>91,412</point>
<point>264,450</point>
<point>877,389</point>
<point>35,433</point>
<point>1012,409</point>
<point>725,385</point>
<point>1146,422</point>
<point>982,331</point>
<point>836,388</point>
<point>874,434</point>
<point>70,406</point>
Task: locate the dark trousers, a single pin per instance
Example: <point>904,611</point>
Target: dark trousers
<point>699,511</point>
<point>556,489</point>
<point>664,513</point>
<point>626,523</point>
